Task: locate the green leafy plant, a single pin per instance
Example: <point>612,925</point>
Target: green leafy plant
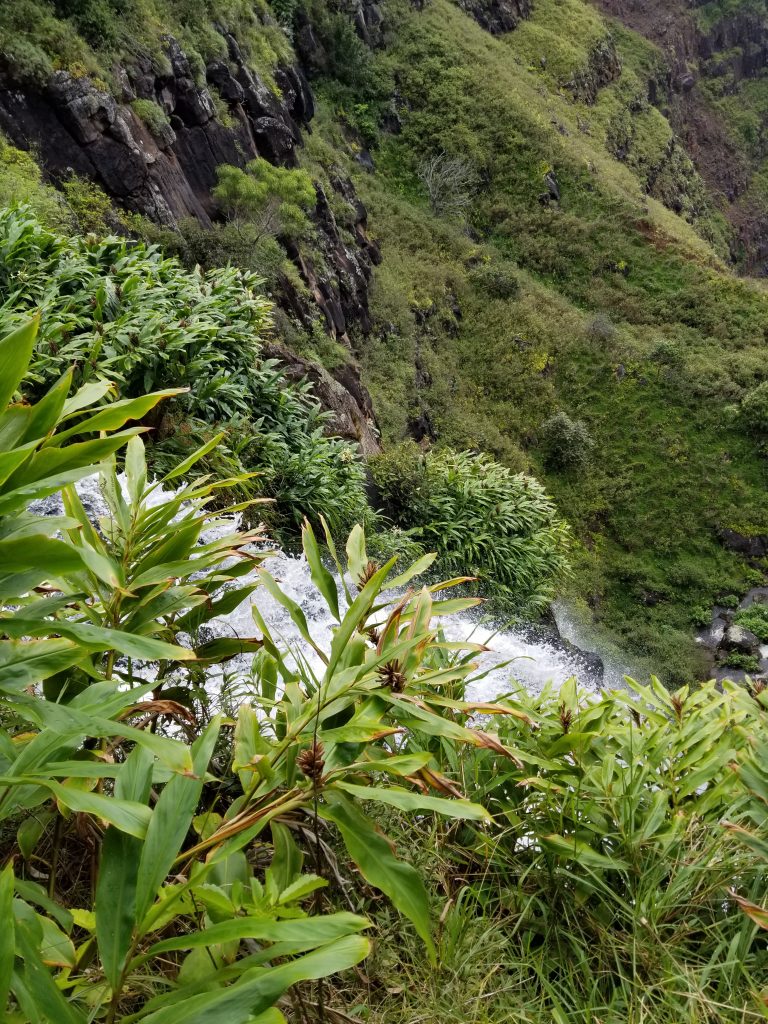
<point>119,311</point>
<point>174,921</point>
<point>607,870</point>
<point>482,520</point>
<point>744,662</point>
<point>755,619</point>
<point>270,200</point>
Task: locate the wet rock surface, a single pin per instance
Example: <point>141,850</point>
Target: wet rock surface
<point>725,638</point>
<point>497,16</point>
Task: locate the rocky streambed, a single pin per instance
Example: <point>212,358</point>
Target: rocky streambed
<point>734,650</point>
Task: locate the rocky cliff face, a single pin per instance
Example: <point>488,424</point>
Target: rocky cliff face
<point>166,170</point>
<point>732,49</point>
<point>496,16</point>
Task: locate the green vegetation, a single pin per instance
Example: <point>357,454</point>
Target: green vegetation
<point>153,116</point>
<point>482,520</point>
<point>622,318</point>
<point>755,619</point>
<point>270,200</point>
<point>200,824</point>
<point>161,925</point>
<point>86,37</point>
<point>597,856</point>
<point>120,312</point>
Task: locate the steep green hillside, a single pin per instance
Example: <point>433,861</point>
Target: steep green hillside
<point>565,302</point>
<point>604,304</point>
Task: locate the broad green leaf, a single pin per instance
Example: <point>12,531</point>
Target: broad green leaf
<point>373,855</point>
<point>224,647</point>
<point>97,638</point>
<point>49,461</point>
<point>418,567</point>
<point>56,948</point>
<point>135,469</point>
<point>171,820</point>
<point>259,989</point>
<point>45,554</point>
<point>114,416</point>
<point>126,815</point>
<point>316,931</point>
<point>35,978</point>
<point>186,464</point>
<point>408,800</point>
<point>118,873</point>
<point>31,829</point>
<point>357,557</point>
<point>7,937</point>
<point>44,416</point>
<point>24,663</point>
<point>322,579</point>
<point>86,396</point>
<point>15,353</point>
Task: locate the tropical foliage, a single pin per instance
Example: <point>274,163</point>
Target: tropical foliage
<point>119,311</point>
<point>482,520</point>
<point>170,920</point>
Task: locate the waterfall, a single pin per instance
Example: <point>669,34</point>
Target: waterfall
<point>532,662</point>
<point>529,656</point>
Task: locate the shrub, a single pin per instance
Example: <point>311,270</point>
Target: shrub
<point>608,871</point>
<point>272,200</point>
<point>566,444</point>
<point>90,205</point>
<point>497,279</point>
<point>745,662</point>
<point>482,520</point>
<point>600,329</point>
<point>450,183</point>
<point>755,619</point>
<point>120,311</point>
<point>701,616</point>
<point>153,116</point>
<point>754,409</point>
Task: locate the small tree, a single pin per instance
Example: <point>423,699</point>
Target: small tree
<point>601,330</point>
<point>269,200</point>
<point>451,183</point>
<point>566,443</point>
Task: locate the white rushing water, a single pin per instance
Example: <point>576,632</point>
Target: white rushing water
<point>532,662</point>
<point>520,653</point>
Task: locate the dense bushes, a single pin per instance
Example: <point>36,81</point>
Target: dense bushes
<point>483,520</point>
<point>565,443</point>
<point>139,806</point>
<point>119,311</point>
<point>602,855</point>
<point>618,882</point>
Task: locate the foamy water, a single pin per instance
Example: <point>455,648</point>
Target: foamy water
<point>515,653</point>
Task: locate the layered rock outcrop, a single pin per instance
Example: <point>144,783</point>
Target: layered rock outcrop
<point>729,49</point>
<point>156,146</point>
<point>497,16</point>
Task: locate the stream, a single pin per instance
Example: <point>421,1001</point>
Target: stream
<point>531,654</point>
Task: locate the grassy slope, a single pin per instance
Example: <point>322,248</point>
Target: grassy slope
<point>672,464</point>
